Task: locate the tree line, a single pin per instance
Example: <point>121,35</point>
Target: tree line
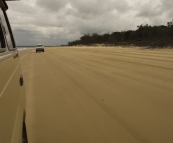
<point>145,35</point>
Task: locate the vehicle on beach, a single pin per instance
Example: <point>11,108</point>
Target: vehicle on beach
<point>39,47</point>
<point>12,92</point>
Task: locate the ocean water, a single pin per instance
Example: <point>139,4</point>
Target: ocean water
<point>24,48</point>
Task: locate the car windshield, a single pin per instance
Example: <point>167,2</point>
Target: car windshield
<point>39,45</point>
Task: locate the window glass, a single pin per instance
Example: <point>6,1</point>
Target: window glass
<point>39,45</point>
<point>6,30</point>
<point>2,42</point>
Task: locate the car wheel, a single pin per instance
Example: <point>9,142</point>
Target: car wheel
<point>43,50</point>
<point>36,51</point>
<point>24,134</point>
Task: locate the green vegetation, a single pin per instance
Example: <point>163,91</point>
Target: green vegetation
<point>145,35</point>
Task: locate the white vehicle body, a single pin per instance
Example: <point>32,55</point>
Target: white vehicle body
<point>39,47</point>
<point>12,92</point>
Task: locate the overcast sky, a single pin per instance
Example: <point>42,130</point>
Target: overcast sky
<point>56,22</point>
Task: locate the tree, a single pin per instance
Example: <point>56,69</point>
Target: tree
<point>145,35</point>
<point>170,24</point>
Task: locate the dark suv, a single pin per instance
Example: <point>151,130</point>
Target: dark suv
<point>12,94</point>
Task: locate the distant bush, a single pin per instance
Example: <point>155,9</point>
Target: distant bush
<point>145,35</point>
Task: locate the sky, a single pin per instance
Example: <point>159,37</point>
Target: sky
<point>57,22</point>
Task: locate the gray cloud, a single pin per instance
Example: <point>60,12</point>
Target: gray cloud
<point>31,38</point>
<point>59,21</point>
<point>167,6</point>
<point>156,12</point>
<point>51,5</point>
<point>150,9</point>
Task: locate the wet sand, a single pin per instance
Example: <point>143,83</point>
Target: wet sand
<point>99,95</point>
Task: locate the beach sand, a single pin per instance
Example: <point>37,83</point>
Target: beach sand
<point>99,95</point>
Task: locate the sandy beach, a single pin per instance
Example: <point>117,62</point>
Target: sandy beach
<point>98,95</point>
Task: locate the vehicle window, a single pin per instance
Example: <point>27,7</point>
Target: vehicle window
<point>2,42</point>
<point>39,45</point>
<point>6,30</point>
